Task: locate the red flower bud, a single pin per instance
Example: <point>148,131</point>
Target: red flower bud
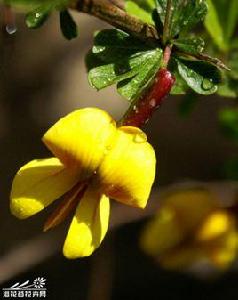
<point>152,99</point>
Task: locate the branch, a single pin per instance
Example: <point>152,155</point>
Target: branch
<point>117,17</point>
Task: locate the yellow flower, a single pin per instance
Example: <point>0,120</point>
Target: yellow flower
<point>191,226</point>
<point>94,160</point>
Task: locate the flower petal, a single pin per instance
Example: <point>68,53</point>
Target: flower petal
<point>215,226</point>
<point>162,233</point>
<point>127,172</point>
<point>81,138</point>
<point>225,251</point>
<point>89,225</point>
<point>37,184</point>
<point>192,206</point>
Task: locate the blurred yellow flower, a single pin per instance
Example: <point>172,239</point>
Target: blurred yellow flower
<point>94,161</point>
<point>191,226</point>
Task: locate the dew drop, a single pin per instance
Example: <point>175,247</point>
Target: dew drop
<point>152,102</point>
<point>140,138</point>
<point>11,28</point>
<point>207,84</point>
<point>190,73</point>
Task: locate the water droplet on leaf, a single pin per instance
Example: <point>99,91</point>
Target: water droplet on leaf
<point>207,84</point>
<point>190,73</point>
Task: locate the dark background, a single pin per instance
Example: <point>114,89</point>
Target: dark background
<point>43,77</point>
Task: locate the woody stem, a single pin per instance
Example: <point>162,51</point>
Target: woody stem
<point>117,17</point>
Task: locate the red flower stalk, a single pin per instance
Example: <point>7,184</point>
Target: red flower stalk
<point>145,107</point>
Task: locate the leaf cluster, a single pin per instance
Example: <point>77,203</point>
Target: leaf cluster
<point>141,60</point>
<point>38,11</point>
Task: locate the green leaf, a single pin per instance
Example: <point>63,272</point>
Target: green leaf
<point>140,11</point>
<point>215,27</point>
<point>147,65</point>
<point>221,22</point>
<point>234,44</point>
<point>116,57</point>
<point>228,118</point>
<point>190,45</point>
<point>67,25</point>
<point>233,64</point>
<point>200,76</point>
<point>37,18</point>
<point>232,18</point>
<point>180,87</point>
<point>185,14</point>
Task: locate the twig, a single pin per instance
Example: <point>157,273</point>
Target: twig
<point>115,16</point>
<point>205,57</point>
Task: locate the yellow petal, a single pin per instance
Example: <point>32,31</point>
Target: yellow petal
<point>89,225</point>
<point>161,233</point>
<point>192,206</point>
<point>225,251</point>
<point>215,225</point>
<point>37,184</point>
<point>180,215</point>
<point>81,138</point>
<point>127,172</point>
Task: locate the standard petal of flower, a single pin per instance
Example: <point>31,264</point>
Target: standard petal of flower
<point>128,170</point>
<point>81,138</point>
<point>38,183</point>
<point>89,225</point>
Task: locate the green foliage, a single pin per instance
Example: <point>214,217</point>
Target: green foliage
<point>37,18</point>
<point>131,64</point>
<point>190,45</point>
<point>143,11</point>
<point>67,25</point>
<point>200,76</point>
<point>215,27</point>
<point>38,12</point>
<point>221,22</point>
<point>116,57</point>
<point>185,14</point>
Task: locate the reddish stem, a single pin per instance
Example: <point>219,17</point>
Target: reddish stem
<point>145,107</point>
<point>69,203</point>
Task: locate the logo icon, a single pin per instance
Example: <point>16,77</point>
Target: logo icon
<point>36,289</point>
